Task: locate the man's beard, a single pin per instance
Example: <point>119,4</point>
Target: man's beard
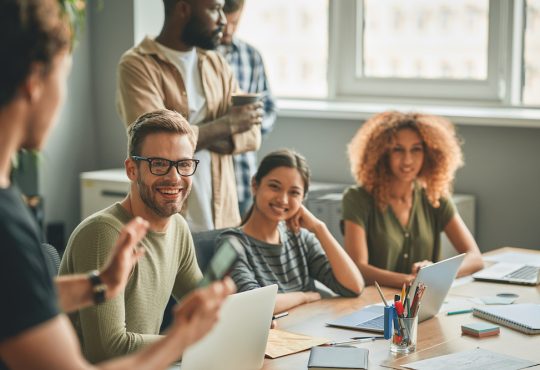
<point>195,35</point>
<point>145,192</point>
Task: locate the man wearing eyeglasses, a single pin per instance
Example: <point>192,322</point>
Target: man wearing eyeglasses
<point>160,166</point>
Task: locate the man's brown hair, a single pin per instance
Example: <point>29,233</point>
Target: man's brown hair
<point>162,120</point>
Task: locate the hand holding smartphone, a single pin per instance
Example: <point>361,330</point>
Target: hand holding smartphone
<point>222,262</point>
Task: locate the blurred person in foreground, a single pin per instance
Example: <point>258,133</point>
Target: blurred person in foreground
<point>34,333</point>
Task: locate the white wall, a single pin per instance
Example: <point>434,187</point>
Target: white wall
<point>112,34</point>
<point>71,148</point>
<point>149,17</point>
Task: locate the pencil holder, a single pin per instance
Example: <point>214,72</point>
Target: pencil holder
<point>404,336</point>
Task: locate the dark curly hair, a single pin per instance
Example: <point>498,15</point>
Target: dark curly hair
<point>30,31</point>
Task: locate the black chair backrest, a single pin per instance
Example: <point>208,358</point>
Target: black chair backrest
<point>53,258</point>
<point>205,244</point>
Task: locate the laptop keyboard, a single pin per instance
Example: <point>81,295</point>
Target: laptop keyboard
<point>524,273</point>
<point>376,323</point>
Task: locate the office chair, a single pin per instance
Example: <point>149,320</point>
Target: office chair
<point>205,244</point>
<point>52,257</point>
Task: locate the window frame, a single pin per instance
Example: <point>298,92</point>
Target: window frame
<point>501,88</point>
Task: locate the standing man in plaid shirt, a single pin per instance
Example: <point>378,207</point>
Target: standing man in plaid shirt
<point>248,67</point>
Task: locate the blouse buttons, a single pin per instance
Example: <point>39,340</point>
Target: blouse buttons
<point>406,255</point>
<point>406,235</point>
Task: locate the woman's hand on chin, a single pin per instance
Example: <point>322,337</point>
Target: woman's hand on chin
<point>303,219</point>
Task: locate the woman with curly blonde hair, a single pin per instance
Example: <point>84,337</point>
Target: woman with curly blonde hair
<point>404,164</point>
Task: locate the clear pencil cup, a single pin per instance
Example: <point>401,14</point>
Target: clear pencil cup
<point>404,336</point>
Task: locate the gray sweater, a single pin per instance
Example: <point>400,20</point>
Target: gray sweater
<point>293,265</point>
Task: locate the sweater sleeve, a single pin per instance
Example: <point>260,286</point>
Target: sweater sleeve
<point>102,331</point>
<point>319,266</point>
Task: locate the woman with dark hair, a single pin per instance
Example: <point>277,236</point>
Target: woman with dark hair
<point>284,243</point>
<point>404,165</point>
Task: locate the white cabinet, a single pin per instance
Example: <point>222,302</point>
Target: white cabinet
<point>100,189</point>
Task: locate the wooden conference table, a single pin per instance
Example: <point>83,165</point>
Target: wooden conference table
<point>437,336</point>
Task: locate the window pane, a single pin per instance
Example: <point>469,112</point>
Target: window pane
<point>292,37</point>
<point>429,39</point>
<point>531,91</point>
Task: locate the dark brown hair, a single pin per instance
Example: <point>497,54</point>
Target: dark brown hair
<point>162,120</point>
<point>30,31</point>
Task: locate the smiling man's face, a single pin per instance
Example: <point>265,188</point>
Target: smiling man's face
<point>164,195</point>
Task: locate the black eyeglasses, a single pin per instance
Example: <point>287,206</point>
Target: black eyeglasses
<point>162,166</point>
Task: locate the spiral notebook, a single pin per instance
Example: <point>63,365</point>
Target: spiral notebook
<point>522,317</point>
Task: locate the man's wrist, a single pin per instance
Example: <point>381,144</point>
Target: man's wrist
<point>99,288</point>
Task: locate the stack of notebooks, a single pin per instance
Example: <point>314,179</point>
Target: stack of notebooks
<point>522,317</point>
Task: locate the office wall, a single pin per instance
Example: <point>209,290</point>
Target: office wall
<point>116,26</point>
<point>501,171</point>
<point>71,146</point>
<point>112,34</point>
<point>89,135</point>
<point>148,17</point>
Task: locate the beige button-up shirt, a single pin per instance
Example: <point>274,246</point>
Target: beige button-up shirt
<point>147,81</point>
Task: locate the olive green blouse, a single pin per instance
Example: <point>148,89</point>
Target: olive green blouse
<point>391,245</point>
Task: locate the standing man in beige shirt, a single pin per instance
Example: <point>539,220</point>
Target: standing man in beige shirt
<point>179,71</point>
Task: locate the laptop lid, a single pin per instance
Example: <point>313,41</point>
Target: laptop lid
<point>513,273</point>
<point>238,340</point>
<point>438,278</point>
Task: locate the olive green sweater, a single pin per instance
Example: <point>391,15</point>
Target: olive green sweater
<point>132,319</point>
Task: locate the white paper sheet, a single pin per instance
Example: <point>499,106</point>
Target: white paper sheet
<point>515,257</point>
<point>476,359</point>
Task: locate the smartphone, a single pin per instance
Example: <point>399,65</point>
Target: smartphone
<point>222,262</point>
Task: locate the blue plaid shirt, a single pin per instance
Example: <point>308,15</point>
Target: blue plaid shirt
<point>248,67</point>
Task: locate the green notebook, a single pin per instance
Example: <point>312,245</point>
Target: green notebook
<point>338,358</point>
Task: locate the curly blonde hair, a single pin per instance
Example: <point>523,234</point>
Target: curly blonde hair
<point>370,147</point>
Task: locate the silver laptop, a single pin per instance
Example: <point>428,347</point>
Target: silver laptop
<point>438,278</point>
<point>238,340</point>
<point>513,273</point>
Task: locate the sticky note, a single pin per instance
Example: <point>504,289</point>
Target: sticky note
<point>480,329</point>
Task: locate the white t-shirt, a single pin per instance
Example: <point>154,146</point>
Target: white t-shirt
<point>200,211</point>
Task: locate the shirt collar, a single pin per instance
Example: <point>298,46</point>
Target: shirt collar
<point>149,46</point>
